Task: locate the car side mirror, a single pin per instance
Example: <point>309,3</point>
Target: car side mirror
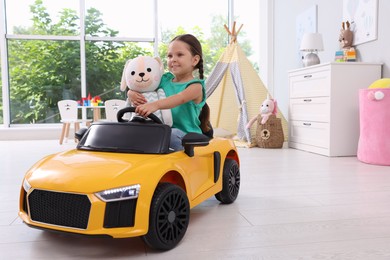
<point>80,133</point>
<point>192,140</point>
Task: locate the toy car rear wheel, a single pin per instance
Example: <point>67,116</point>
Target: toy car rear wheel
<point>169,217</point>
<point>230,182</point>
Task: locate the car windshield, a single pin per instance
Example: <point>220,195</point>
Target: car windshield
<point>126,138</point>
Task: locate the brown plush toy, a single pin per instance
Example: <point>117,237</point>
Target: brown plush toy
<point>269,131</point>
<point>346,36</point>
<point>347,53</point>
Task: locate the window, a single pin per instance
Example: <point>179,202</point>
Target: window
<point>247,12</point>
<point>42,17</point>
<point>207,24</point>
<point>126,18</point>
<point>46,61</point>
<point>41,73</point>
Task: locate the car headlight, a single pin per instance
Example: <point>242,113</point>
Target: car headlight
<point>122,193</point>
<point>26,185</point>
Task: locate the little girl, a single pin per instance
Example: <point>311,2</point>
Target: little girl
<point>186,95</point>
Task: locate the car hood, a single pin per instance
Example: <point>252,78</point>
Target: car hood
<point>86,171</point>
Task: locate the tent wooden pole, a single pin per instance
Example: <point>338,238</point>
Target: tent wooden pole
<point>233,33</point>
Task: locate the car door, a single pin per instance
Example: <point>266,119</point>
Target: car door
<point>199,171</point>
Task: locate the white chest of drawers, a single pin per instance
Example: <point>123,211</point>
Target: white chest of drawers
<point>324,106</point>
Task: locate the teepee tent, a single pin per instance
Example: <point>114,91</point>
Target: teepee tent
<point>235,92</point>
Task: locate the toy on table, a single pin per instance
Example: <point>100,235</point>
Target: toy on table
<point>91,101</point>
<point>97,101</point>
<point>143,74</point>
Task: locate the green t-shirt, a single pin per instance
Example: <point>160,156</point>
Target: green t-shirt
<point>186,116</point>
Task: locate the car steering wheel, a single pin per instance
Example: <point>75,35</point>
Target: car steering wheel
<point>121,112</point>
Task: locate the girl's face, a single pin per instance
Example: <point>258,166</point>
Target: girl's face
<point>180,59</point>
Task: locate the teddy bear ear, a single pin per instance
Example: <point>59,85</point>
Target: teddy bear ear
<point>123,80</point>
<point>160,63</point>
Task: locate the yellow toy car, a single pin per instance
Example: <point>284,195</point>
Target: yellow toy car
<point>123,181</point>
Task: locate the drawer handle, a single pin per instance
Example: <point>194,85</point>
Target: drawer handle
<point>307,100</point>
<point>307,124</point>
<point>307,76</point>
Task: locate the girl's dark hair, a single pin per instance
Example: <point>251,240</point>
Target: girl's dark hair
<point>195,48</point>
<point>205,123</point>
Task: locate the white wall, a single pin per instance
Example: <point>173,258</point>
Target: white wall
<point>330,15</point>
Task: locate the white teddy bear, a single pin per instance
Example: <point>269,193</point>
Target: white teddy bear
<point>143,74</point>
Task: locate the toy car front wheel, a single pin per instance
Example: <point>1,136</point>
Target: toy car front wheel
<point>230,182</point>
<point>169,217</point>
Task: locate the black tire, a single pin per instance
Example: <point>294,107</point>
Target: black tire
<point>230,182</point>
<point>169,217</point>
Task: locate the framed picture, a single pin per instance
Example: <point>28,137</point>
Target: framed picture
<point>363,16</point>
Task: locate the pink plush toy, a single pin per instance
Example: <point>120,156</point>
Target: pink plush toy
<point>268,107</point>
<point>374,141</point>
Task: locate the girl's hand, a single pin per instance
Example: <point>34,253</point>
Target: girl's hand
<point>136,98</point>
<point>147,109</point>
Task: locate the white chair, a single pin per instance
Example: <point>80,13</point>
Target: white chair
<point>112,106</point>
<point>69,115</point>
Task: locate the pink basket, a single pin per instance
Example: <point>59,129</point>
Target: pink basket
<point>374,140</point>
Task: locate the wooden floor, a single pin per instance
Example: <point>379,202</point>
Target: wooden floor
<point>292,205</point>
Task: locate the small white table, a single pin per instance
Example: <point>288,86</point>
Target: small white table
<point>96,111</point>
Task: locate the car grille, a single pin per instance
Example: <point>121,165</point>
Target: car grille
<point>62,209</point>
